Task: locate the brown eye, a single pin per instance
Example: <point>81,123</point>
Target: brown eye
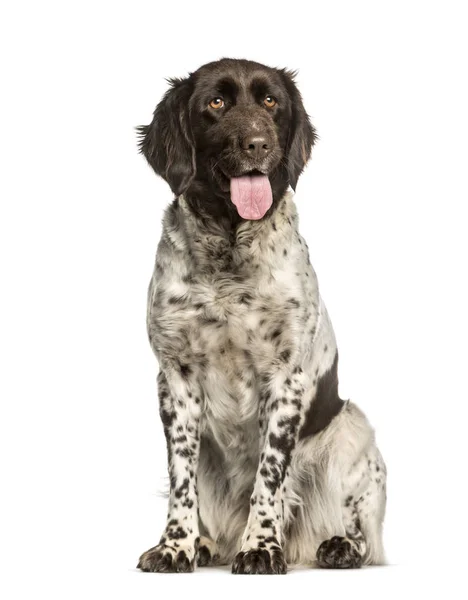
<point>217,103</point>
<point>269,102</point>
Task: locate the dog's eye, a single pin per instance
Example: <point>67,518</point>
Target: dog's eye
<point>217,103</point>
<point>269,102</point>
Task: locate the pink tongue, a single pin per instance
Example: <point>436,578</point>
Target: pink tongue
<point>252,195</point>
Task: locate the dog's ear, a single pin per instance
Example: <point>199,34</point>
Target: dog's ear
<point>167,142</point>
<point>302,135</point>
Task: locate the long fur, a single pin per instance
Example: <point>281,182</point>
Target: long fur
<point>266,461</point>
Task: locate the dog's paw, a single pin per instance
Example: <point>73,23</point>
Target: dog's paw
<point>165,559</point>
<point>260,561</point>
<point>207,552</point>
<point>338,553</point>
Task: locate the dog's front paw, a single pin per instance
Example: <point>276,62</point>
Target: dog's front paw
<point>165,559</point>
<point>338,553</point>
<point>260,561</point>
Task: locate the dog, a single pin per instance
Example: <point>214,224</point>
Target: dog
<point>268,467</point>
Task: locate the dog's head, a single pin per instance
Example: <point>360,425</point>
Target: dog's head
<point>233,133</point>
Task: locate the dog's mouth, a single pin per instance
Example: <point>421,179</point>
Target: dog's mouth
<point>251,194</point>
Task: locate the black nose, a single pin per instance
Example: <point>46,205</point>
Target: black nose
<point>256,146</point>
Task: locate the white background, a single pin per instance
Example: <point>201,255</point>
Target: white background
<point>382,206</point>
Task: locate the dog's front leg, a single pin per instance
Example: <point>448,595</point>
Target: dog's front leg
<point>180,413</point>
<point>279,419</point>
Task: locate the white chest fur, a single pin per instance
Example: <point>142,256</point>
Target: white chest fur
<point>232,309</point>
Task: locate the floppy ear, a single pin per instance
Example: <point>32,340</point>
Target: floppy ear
<point>167,142</point>
<point>302,134</point>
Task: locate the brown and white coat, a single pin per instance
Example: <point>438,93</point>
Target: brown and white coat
<point>265,460</point>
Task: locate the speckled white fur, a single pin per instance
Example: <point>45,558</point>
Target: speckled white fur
<point>240,332</point>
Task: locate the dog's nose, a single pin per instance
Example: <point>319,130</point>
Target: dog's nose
<point>256,146</point>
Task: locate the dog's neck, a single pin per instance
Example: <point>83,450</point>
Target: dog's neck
<point>213,207</point>
<point>212,211</point>
<point>214,248</point>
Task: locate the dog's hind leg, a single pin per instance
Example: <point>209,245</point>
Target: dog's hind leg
<point>208,553</point>
<point>370,507</point>
<point>363,508</point>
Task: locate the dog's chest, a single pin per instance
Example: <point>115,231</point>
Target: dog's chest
<point>243,326</point>
<point>240,318</point>
<point>230,391</point>
<point>233,313</point>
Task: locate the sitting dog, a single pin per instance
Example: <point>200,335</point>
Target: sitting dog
<point>268,466</point>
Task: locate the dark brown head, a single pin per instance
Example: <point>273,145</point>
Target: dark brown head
<point>232,132</point>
